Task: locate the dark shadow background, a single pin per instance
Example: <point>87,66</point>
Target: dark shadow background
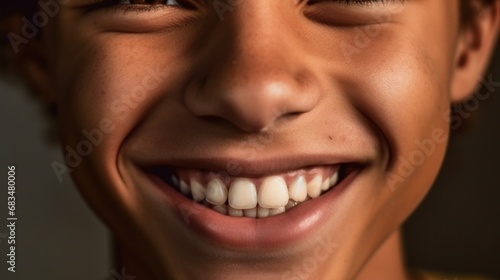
<point>456,228</point>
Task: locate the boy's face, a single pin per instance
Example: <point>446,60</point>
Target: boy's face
<point>249,89</point>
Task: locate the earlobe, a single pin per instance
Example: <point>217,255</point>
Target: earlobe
<point>28,58</point>
<point>474,49</point>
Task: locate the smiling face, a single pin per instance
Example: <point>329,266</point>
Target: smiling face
<point>325,123</point>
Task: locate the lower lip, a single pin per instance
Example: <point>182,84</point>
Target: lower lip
<point>277,231</point>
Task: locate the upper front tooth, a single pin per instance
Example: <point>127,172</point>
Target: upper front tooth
<point>234,212</point>
<point>334,178</point>
<point>221,208</point>
<point>273,192</point>
<point>216,192</point>
<point>314,186</point>
<point>197,190</point>
<point>298,189</point>
<point>242,194</point>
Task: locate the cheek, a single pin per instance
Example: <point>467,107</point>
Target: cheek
<point>407,98</point>
<point>404,93</point>
<point>106,86</point>
<point>402,87</point>
<point>112,79</point>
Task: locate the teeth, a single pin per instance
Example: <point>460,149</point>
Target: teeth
<point>242,194</point>
<point>252,213</point>
<point>273,192</point>
<point>242,199</point>
<point>298,189</point>
<point>184,188</point>
<point>276,211</point>
<point>216,192</point>
<point>175,180</point>
<point>262,212</point>
<point>197,190</point>
<point>325,185</point>
<point>291,204</point>
<point>314,186</point>
<point>234,212</point>
<point>334,178</point>
<point>221,209</point>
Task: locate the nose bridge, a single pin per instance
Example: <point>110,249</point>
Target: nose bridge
<point>253,77</point>
<point>255,33</point>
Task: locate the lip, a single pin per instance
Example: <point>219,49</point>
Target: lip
<point>250,167</point>
<point>277,231</point>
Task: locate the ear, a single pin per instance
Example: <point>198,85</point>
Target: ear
<point>475,44</point>
<point>28,57</point>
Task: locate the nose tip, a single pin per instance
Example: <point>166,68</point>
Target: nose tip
<point>252,71</point>
<point>252,103</point>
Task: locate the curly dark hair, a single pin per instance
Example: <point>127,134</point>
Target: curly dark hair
<point>469,8</point>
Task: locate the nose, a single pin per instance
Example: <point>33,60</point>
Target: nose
<point>252,73</point>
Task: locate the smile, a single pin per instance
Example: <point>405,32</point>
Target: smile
<point>294,198</point>
<point>253,197</point>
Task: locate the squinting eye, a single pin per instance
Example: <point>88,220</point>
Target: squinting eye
<point>136,5</point>
<point>151,2</point>
<point>355,2</point>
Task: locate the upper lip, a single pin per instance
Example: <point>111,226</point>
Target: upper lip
<point>259,166</point>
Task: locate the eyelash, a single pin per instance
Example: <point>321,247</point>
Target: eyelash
<point>121,5</point>
<point>356,2</point>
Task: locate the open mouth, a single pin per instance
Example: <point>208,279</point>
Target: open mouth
<point>253,197</point>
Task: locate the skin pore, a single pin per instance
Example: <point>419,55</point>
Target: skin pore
<point>318,82</point>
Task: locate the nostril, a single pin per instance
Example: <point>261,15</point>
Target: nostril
<point>251,99</point>
<point>219,123</point>
<point>286,118</point>
<point>291,116</point>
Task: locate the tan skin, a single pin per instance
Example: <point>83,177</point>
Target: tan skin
<point>287,59</point>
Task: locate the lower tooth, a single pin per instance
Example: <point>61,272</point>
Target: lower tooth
<point>234,212</point>
<point>252,213</point>
<point>276,211</point>
<point>262,212</point>
<point>290,204</point>
<point>221,209</point>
